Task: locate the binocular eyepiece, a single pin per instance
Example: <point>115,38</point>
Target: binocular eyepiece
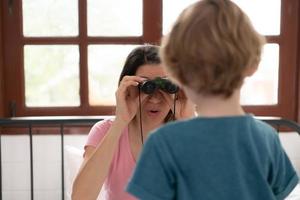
<point>150,86</point>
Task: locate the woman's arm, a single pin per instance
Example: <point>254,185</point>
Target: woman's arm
<point>97,161</point>
<point>95,166</point>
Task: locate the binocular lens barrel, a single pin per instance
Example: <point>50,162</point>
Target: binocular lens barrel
<point>150,86</point>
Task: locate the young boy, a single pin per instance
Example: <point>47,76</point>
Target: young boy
<point>224,153</point>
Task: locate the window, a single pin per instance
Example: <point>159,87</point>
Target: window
<point>64,57</point>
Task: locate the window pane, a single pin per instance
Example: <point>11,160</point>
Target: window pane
<point>115,18</point>
<point>105,65</point>
<point>50,18</point>
<point>262,87</point>
<point>267,23</point>
<point>51,75</point>
<point>171,11</point>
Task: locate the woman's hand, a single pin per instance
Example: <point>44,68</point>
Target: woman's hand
<point>127,97</point>
<point>184,107</point>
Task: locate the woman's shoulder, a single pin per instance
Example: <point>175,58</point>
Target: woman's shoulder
<point>98,131</point>
<point>103,123</point>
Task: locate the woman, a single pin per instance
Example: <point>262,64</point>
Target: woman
<point>113,146</point>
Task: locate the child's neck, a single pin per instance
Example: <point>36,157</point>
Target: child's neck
<point>217,106</point>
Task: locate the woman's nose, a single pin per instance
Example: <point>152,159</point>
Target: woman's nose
<point>155,97</point>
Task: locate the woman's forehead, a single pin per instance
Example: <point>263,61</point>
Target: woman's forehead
<point>151,71</point>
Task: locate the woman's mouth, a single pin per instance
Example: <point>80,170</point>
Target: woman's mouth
<point>153,113</point>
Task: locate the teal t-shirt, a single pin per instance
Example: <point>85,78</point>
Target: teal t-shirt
<point>224,158</point>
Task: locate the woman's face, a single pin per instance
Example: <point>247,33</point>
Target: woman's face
<point>156,106</point>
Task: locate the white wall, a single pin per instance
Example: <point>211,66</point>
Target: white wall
<point>47,164</point>
<point>291,144</point>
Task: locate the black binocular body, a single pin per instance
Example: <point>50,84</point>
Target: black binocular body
<point>150,86</point>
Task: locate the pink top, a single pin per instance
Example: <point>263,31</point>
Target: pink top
<point>122,164</point>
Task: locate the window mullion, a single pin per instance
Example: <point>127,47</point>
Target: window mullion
<point>152,21</point>
<point>13,63</point>
<point>83,57</point>
<point>288,59</point>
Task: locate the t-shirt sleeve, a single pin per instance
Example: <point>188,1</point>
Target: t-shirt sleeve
<point>97,133</point>
<point>284,177</point>
<point>152,178</point>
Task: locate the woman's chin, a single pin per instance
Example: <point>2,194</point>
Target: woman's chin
<point>154,117</point>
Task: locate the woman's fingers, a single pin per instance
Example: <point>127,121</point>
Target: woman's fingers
<point>127,97</point>
<point>130,81</point>
<point>186,107</point>
<point>127,86</point>
<point>181,95</point>
<point>169,98</point>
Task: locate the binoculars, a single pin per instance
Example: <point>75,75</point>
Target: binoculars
<point>150,86</point>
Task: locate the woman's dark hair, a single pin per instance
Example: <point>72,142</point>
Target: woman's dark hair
<point>142,55</point>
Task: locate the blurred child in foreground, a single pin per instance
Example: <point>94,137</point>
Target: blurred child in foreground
<point>223,153</point>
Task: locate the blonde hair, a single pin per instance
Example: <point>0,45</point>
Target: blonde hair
<point>210,46</point>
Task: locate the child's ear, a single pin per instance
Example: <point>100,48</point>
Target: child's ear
<point>249,71</point>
